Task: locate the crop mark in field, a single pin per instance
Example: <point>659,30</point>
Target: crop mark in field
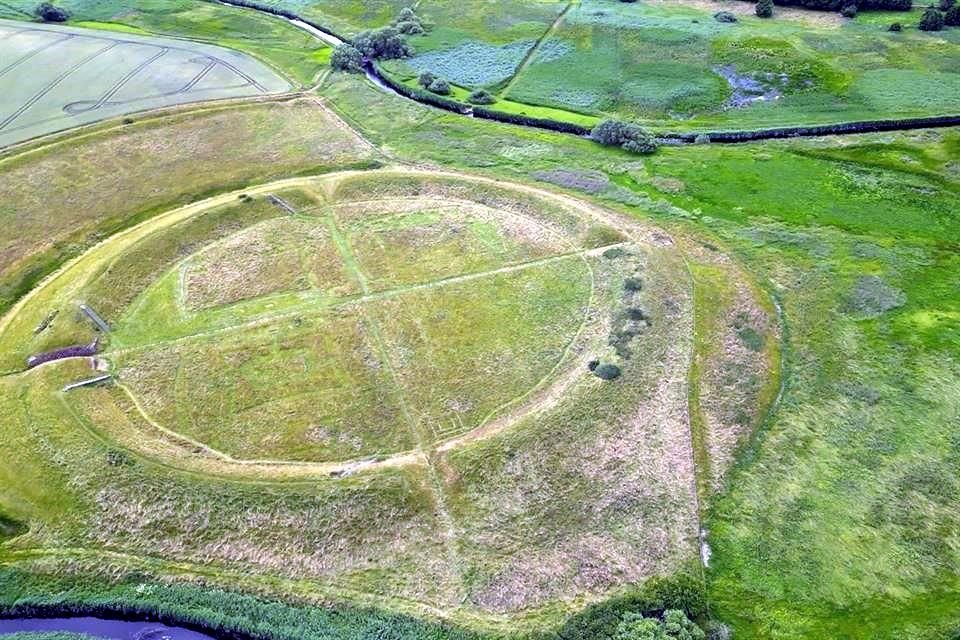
<point>52,85</point>
<point>152,79</point>
<point>80,107</point>
<point>16,63</point>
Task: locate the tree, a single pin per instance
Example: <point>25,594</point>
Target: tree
<point>932,20</point>
<point>952,17</point>
<point>634,626</point>
<point>408,22</point>
<point>675,625</point>
<point>896,27</point>
<point>764,9</point>
<point>382,44</point>
<point>440,87</point>
<point>47,12</point>
<point>946,5</point>
<point>625,135</point>
<point>347,58</point>
<point>425,79</point>
<point>481,96</point>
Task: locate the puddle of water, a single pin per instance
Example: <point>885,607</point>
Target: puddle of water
<point>750,88</point>
<point>100,628</point>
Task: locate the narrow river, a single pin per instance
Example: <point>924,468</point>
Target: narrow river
<point>100,628</point>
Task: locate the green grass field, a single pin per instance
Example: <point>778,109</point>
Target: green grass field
<point>353,340</point>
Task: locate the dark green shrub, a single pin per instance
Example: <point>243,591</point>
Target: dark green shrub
<point>425,79</point>
<point>946,5</point>
<point>764,9</point>
<point>952,17</point>
<point>674,625</point>
<point>724,16</point>
<point>633,284</point>
<point>607,371</point>
<point>481,96</point>
<point>346,58</point>
<point>849,11</point>
<point>625,135</point>
<point>382,44</point>
<point>440,87</point>
<point>932,20</point>
<point>896,26</point>
<point>410,28</point>
<point>47,12</point>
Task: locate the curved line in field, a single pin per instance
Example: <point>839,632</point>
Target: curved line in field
<point>240,470</point>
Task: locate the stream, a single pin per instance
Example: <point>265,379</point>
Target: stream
<point>100,628</point>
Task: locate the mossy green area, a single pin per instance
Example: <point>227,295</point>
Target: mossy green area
<point>354,345</point>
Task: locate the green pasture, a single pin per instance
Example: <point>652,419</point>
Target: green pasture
<point>855,236</point>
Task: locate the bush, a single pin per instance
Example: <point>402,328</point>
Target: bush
<point>849,11</point>
<point>673,625</point>
<point>624,135</point>
<point>382,44</point>
<point>764,9</point>
<point>346,58</point>
<point>896,26</point>
<point>946,5</point>
<point>724,16</point>
<point>440,87</point>
<point>932,20</point>
<point>952,17</point>
<point>47,12</point>
<point>607,371</point>
<point>481,96</point>
<point>425,79</point>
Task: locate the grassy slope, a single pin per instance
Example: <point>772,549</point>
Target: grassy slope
<point>842,509</point>
<point>137,170</point>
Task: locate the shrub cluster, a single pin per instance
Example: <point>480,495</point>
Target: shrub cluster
<point>481,96</point>
<point>420,95</point>
<point>48,12</point>
<point>346,57</point>
<point>764,9</point>
<point>932,20</point>
<point>408,22</point>
<point>952,17</point>
<point>724,16</point>
<point>434,84</point>
<point>674,625</point>
<point>625,135</point>
<point>839,5</point>
<point>386,43</point>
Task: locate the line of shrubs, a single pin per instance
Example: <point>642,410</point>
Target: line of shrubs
<point>838,5</point>
<point>867,126</point>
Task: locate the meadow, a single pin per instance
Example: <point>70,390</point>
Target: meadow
<point>356,348</point>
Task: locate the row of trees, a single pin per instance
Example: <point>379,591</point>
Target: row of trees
<point>947,13</point>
